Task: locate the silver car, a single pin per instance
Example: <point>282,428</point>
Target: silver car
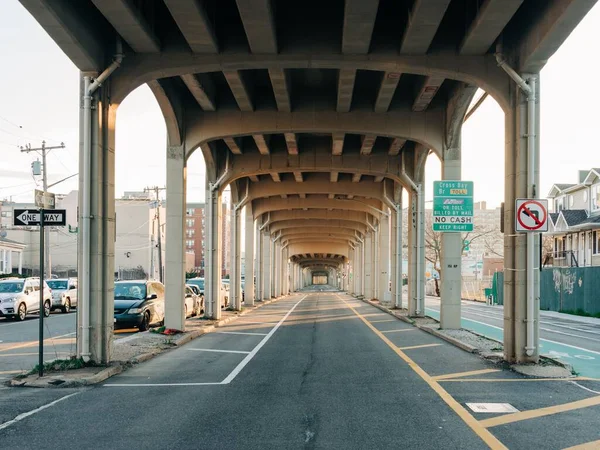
<point>19,297</point>
<point>64,293</point>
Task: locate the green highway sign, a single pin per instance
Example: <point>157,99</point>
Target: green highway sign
<point>453,206</point>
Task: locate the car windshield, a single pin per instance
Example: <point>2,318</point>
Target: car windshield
<point>130,291</point>
<point>11,287</point>
<point>198,282</point>
<point>57,284</point>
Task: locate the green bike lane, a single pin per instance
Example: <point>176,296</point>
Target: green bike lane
<point>585,362</point>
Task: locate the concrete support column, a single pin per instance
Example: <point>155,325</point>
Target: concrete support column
<point>20,263</point>
<point>235,283</point>
<point>258,287</point>
<point>451,252</point>
<point>416,254</point>
<point>384,258</point>
<point>266,265</point>
<point>214,253</point>
<point>175,239</point>
<point>375,264</point>
<point>249,256</point>
<point>276,269</point>
<point>368,266</point>
<point>396,247</point>
<point>99,243</point>
<point>515,253</point>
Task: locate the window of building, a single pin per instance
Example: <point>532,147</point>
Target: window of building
<point>585,196</point>
<point>189,212</point>
<point>190,222</point>
<point>596,197</point>
<point>571,201</point>
<point>558,204</point>
<point>596,242</point>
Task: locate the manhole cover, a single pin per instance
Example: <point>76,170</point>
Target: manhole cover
<point>492,407</point>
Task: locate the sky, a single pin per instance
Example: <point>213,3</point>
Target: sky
<point>39,100</point>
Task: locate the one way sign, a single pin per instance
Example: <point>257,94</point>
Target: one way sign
<point>31,217</point>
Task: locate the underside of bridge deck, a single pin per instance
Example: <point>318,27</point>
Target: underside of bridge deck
<point>317,115</point>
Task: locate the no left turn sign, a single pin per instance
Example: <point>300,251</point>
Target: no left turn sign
<point>531,215</point>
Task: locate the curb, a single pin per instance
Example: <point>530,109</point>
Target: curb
<point>453,341</point>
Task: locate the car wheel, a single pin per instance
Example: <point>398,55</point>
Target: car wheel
<point>66,309</point>
<point>21,312</point>
<point>47,308</point>
<point>185,311</point>
<point>145,322</point>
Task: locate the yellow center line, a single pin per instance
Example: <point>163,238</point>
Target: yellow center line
<point>509,380</point>
<point>58,340</point>
<point>464,374</point>
<point>587,446</point>
<point>471,422</point>
<point>418,346</point>
<point>541,412</point>
<point>385,320</point>
<point>30,353</point>
<point>400,330</point>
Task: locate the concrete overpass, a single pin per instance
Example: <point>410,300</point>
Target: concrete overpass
<point>317,116</point>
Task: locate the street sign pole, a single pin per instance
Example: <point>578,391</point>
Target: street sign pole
<point>41,337</point>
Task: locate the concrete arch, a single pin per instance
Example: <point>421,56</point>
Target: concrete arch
<point>171,112</point>
<point>262,206</point>
<point>301,248</point>
<point>481,71</point>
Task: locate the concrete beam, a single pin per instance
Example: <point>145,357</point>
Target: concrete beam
<point>203,92</point>
<point>548,32</point>
<point>426,93</point>
<point>423,22</point>
<point>359,20</point>
<point>262,144</point>
<point>319,247</point>
<point>367,144</point>
<point>491,19</point>
<point>298,177</point>
<point>379,179</point>
<point>317,226</point>
<point>302,195</point>
<point>264,205</point>
<point>386,91</point>
<point>128,21</point>
<point>333,177</point>
<point>346,78</point>
<point>239,89</point>
<point>276,177</point>
<point>257,17</point>
<point>281,89</point>
<point>292,143</point>
<point>194,24</point>
<point>395,146</point>
<point>82,44</point>
<point>356,216</point>
<point>337,143</point>
<point>234,145</point>
<point>253,178</point>
<point>356,177</point>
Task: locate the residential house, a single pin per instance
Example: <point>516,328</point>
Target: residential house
<point>575,221</point>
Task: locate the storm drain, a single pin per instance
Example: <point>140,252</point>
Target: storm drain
<point>492,408</point>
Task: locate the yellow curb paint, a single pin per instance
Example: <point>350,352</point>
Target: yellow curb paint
<point>541,412</point>
<point>419,346</point>
<point>464,374</point>
<point>400,330</point>
<point>509,380</point>
<point>471,422</point>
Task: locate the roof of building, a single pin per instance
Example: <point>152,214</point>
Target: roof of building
<point>563,186</point>
<point>591,220</point>
<point>10,241</point>
<point>554,217</point>
<point>574,216</point>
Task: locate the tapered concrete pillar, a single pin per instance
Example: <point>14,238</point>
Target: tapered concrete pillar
<point>97,245</point>
<point>375,264</point>
<point>235,283</point>
<point>451,254</point>
<point>175,239</point>
<point>384,259</point>
<point>368,267</point>
<point>266,265</point>
<point>249,256</point>
<point>396,247</point>
<point>516,320</point>
<point>276,269</point>
<point>213,253</point>
<point>416,254</point>
<point>258,287</point>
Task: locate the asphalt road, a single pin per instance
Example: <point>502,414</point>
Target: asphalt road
<point>314,370</point>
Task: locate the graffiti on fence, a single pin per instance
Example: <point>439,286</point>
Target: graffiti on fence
<point>569,281</point>
<point>556,277</point>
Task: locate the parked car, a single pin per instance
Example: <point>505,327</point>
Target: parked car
<point>192,301</point>
<point>64,293</point>
<point>139,304</point>
<point>198,281</point>
<point>21,296</point>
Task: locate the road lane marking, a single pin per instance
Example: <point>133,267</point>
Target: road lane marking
<point>587,446</point>
<point>240,332</point>
<point>254,351</point>
<point>34,411</point>
<point>36,342</point>
<point>385,320</point>
<point>160,384</point>
<point>215,350</point>
<point>485,435</point>
<point>541,412</point>
<point>412,347</point>
<point>464,374</point>
<point>400,330</point>
<point>508,380</point>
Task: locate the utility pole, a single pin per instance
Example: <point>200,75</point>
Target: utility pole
<point>43,150</point>
<point>157,190</point>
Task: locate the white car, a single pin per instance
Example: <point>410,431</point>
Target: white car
<point>192,302</point>
<point>21,296</point>
<point>64,293</point>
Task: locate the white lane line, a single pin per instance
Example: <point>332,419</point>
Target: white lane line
<point>215,350</point>
<point>34,411</point>
<point>251,355</point>
<point>246,322</point>
<point>161,384</point>
<point>240,332</point>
